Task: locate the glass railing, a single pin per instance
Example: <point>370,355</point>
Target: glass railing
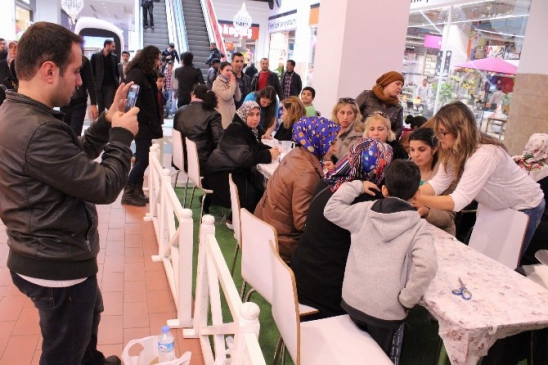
<point>212,25</point>
<point>176,25</point>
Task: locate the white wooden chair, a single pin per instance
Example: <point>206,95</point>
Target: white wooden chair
<point>179,159</point>
<point>235,207</point>
<point>499,234</point>
<point>335,340</point>
<point>193,164</point>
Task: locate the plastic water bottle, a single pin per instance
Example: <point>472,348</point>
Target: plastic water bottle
<point>166,345</point>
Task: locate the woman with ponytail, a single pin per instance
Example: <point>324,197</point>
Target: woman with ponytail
<point>200,122</point>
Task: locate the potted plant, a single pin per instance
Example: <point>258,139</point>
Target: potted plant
<point>446,93</point>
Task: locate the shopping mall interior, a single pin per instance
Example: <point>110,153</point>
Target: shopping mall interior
<point>488,54</point>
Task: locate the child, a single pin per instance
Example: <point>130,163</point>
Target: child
<point>162,100</point>
<point>307,97</point>
<point>392,258</point>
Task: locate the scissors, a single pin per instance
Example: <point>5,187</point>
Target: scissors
<point>462,291</point>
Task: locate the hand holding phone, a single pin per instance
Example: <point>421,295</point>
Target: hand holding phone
<point>132,95</point>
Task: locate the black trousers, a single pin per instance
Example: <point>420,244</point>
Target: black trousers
<point>75,115</point>
<point>105,97</point>
<point>149,9</point>
<point>383,336</point>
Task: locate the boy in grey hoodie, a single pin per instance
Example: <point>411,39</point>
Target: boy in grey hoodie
<point>392,258</point>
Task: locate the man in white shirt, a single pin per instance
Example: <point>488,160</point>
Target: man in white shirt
<point>424,92</point>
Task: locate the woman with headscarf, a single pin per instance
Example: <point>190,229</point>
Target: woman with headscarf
<point>384,97</point>
<point>289,191</point>
<point>8,76</point>
<point>534,161</point>
<point>320,258</point>
<point>239,151</point>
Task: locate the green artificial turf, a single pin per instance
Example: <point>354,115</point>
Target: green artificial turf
<point>420,342</point>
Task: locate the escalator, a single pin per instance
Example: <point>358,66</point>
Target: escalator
<point>196,33</point>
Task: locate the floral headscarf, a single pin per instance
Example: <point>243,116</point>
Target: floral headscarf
<point>534,159</point>
<point>367,159</point>
<point>246,108</point>
<point>315,134</point>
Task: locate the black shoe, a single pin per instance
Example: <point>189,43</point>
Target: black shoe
<point>152,26</point>
<point>113,360</point>
<point>130,197</point>
<point>146,26</point>
<point>139,192</point>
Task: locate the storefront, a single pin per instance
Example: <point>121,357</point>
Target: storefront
<point>244,43</point>
<point>313,23</point>
<point>447,39</point>
<point>281,28</point>
<point>23,17</point>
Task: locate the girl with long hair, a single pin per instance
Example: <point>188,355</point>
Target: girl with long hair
<point>346,114</point>
<point>423,151</point>
<point>293,110</point>
<point>228,92</point>
<point>143,71</point>
<point>268,101</point>
<point>482,168</point>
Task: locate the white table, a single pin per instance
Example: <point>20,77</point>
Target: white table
<point>503,302</point>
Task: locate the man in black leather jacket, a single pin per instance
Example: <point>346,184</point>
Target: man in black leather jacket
<point>49,186</point>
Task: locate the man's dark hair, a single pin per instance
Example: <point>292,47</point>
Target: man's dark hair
<point>43,42</point>
<point>214,61</point>
<point>187,58</point>
<point>237,54</point>
<point>292,62</point>
<point>402,179</point>
<point>311,89</point>
<point>161,75</point>
<point>2,40</point>
<point>107,42</point>
<point>264,58</point>
<point>145,60</point>
<point>125,52</point>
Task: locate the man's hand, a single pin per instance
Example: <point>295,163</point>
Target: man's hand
<point>119,101</point>
<point>127,120</point>
<point>94,112</point>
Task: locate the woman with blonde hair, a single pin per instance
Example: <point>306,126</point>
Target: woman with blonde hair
<point>346,114</point>
<point>482,168</point>
<point>293,110</point>
<point>378,126</point>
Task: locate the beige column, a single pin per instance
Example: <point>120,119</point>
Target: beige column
<point>529,105</point>
<point>358,40</point>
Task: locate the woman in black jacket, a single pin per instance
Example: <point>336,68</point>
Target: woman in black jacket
<point>200,122</point>
<point>143,71</point>
<point>240,149</point>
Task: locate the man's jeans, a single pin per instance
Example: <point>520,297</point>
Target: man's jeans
<point>69,321</point>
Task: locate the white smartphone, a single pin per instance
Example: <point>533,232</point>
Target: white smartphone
<point>131,97</point>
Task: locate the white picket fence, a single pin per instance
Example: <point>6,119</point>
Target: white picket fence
<point>235,342</point>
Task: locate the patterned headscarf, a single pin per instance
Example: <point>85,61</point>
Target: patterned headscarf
<point>367,159</point>
<point>534,159</point>
<point>315,134</point>
<point>246,108</point>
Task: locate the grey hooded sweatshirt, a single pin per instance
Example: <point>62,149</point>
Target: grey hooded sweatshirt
<point>392,258</point>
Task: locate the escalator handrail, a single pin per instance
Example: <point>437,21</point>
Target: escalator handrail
<point>176,25</point>
<point>212,25</point>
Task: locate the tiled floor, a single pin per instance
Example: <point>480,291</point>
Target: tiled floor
<point>135,292</point>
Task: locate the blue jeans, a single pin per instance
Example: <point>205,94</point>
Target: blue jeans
<point>535,214</point>
<point>69,321</point>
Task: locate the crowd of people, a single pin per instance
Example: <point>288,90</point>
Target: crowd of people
<point>330,199</point>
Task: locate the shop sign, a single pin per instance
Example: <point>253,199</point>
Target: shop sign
<point>282,22</point>
<point>228,30</point>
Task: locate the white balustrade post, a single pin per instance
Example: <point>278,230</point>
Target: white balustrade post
<point>201,302</point>
<point>151,184</point>
<point>248,323</point>
<point>184,272</point>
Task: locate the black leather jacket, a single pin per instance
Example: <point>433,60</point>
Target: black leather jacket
<point>49,185</point>
<point>201,126</point>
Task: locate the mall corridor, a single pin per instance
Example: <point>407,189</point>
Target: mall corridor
<point>135,291</point>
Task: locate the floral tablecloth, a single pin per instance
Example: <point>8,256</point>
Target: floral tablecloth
<point>503,302</point>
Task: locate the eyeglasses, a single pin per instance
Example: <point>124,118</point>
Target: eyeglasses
<point>442,134</point>
<point>347,101</point>
<point>378,112</point>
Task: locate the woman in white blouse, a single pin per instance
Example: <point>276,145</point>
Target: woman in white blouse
<point>482,168</point>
